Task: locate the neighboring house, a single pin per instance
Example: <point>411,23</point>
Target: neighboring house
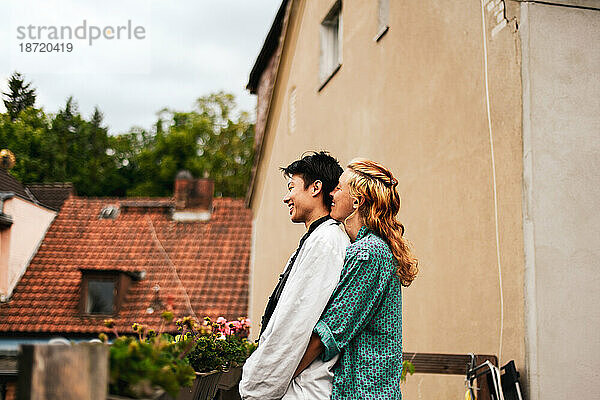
<point>127,259</point>
<point>493,136</point>
<point>24,220</point>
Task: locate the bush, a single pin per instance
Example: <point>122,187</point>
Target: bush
<point>139,366</point>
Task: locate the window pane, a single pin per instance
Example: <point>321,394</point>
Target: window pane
<point>384,13</point>
<point>330,38</point>
<point>100,297</point>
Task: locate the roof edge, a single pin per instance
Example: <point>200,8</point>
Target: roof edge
<point>259,145</point>
<point>269,47</point>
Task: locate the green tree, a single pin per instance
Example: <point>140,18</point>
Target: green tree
<point>20,96</point>
<point>81,153</point>
<point>66,147</point>
<point>207,141</point>
<point>26,138</point>
<point>63,148</point>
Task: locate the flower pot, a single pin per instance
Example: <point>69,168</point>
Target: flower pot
<point>204,388</point>
<point>229,384</point>
<point>231,378</point>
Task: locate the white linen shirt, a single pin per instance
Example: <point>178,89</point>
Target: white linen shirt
<point>267,373</point>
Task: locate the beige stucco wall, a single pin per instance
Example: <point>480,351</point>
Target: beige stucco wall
<point>561,80</point>
<point>20,242</point>
<point>415,101</point>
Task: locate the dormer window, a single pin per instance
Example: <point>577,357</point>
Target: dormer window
<point>103,291</point>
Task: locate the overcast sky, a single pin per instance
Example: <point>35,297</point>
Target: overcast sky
<point>184,49</point>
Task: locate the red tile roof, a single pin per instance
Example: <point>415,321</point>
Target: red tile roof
<point>211,259</point>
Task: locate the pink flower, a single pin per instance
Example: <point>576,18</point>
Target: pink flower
<point>235,326</point>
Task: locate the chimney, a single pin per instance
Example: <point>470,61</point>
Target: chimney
<point>193,197</point>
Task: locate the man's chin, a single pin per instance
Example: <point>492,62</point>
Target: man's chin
<point>296,220</point>
<point>336,217</point>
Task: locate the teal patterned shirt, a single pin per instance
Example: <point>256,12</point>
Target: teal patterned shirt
<point>363,322</point>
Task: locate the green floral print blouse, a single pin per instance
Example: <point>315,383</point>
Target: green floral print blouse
<point>363,322</point>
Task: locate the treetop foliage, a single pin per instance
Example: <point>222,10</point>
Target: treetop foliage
<point>20,95</point>
<point>209,141</point>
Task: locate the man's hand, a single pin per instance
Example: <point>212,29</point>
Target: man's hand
<point>315,347</point>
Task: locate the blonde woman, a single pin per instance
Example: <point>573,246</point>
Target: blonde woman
<point>363,319</point>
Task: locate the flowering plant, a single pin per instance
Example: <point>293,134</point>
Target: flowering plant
<point>139,365</point>
<point>239,328</point>
<point>221,345</point>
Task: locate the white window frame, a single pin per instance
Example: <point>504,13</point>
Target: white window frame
<point>383,9</point>
<point>330,58</point>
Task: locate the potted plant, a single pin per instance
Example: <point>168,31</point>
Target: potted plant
<point>220,350</point>
<point>146,366</point>
<point>191,365</point>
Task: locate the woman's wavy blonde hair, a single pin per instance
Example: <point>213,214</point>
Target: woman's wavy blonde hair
<point>375,188</point>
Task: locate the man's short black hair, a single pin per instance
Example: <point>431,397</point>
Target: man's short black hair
<point>317,166</point>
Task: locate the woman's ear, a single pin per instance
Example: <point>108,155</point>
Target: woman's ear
<point>355,203</point>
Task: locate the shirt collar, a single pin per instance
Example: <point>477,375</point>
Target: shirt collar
<point>362,232</point>
<point>316,223</point>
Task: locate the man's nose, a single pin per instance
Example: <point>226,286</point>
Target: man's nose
<point>286,198</point>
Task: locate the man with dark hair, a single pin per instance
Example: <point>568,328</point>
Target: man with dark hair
<point>302,292</point>
<point>317,166</point>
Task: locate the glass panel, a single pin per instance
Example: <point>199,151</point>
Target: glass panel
<point>384,13</point>
<point>331,46</point>
<point>100,299</point>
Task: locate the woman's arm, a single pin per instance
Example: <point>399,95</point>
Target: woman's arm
<point>364,282</point>
<point>315,347</point>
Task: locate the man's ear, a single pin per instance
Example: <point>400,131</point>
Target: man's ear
<point>316,188</point>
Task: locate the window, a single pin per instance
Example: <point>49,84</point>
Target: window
<point>103,292</point>
<point>384,19</point>
<point>100,297</point>
<point>331,44</point>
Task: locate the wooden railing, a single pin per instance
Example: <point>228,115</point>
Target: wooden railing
<point>451,364</point>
